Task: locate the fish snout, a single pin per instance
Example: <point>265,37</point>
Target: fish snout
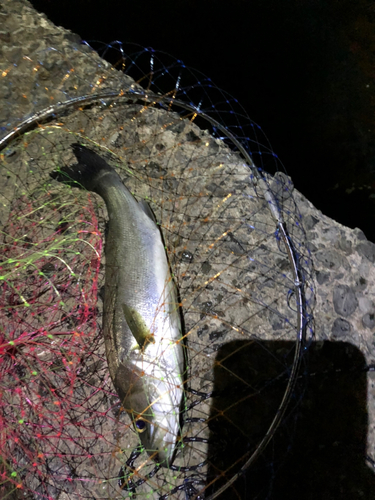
<point>163,438</point>
<point>165,456</point>
<point>165,426</point>
<point>165,451</point>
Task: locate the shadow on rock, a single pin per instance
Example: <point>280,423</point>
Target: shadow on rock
<point>319,450</point>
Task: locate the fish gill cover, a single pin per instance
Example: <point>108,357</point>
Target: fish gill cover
<point>236,247</point>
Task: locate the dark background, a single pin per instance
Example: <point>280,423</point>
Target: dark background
<point>302,69</point>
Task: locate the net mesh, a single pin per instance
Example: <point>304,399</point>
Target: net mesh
<point>175,139</point>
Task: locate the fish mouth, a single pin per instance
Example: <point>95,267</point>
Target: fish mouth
<point>165,454</point>
<point>164,426</point>
<point>163,444</point>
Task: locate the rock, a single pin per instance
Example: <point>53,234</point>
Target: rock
<point>331,258</point>
<point>344,300</point>
<point>368,320</point>
<point>322,277</point>
<point>310,221</point>
<point>366,249</point>
<point>341,328</point>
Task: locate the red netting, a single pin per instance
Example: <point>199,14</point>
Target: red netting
<point>49,317</point>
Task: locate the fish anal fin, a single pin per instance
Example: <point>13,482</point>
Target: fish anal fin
<point>138,327</point>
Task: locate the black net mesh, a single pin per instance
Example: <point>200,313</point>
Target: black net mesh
<point>236,247</point>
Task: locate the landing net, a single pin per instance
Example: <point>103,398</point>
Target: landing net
<point>237,250</point>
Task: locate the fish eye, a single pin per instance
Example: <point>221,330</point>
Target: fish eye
<point>140,425</point>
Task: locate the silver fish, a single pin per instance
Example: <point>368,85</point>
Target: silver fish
<point>141,319</point>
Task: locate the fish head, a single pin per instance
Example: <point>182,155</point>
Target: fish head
<point>154,406</point>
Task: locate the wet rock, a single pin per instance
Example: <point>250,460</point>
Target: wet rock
<point>331,233</point>
<point>344,300</point>
<point>341,327</point>
<point>277,323</point>
<point>331,259</point>
<point>216,190</point>
<point>171,183</point>
<point>282,187</point>
<point>207,306</point>
<point>345,245</point>
<point>365,304</point>
<point>206,267</point>
<point>360,284</point>
<point>234,247</point>
<point>368,320</point>
<point>202,331</point>
<point>367,249</point>
<point>192,137</point>
<point>186,256</point>
<point>5,36</point>
<point>322,277</point>
<point>360,234</point>
<point>177,128</point>
<point>73,37</point>
<point>309,222</point>
<point>48,269</point>
<point>217,335</point>
<point>313,248</point>
<point>213,145</point>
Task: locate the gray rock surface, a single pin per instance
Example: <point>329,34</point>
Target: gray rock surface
<point>164,160</point>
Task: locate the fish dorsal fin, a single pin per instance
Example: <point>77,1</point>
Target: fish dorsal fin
<point>147,209</point>
<point>138,327</point>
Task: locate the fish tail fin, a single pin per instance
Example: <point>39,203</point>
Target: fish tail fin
<point>86,172</point>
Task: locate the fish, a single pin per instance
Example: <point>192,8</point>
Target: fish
<point>142,325</point>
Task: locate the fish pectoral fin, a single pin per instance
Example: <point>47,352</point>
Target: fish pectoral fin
<point>147,210</point>
<point>138,327</point>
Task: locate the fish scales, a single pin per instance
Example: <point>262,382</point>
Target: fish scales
<point>141,318</point>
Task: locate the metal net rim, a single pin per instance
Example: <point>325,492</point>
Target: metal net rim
<point>168,101</point>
